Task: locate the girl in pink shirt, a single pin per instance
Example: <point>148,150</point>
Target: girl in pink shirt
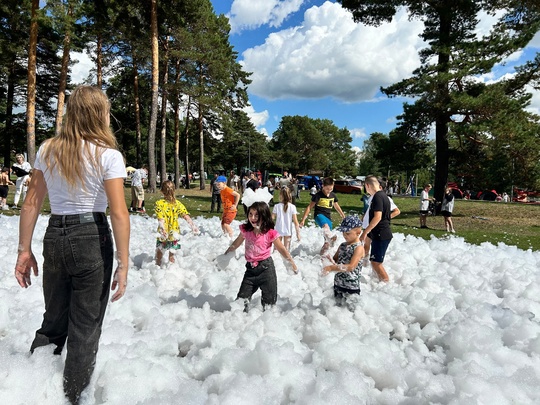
<point>260,235</point>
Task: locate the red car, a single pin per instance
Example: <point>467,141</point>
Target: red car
<point>347,187</point>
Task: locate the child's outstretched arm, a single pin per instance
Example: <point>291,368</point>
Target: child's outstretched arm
<point>191,224</point>
<point>296,226</point>
<point>236,200</point>
<point>306,212</point>
<point>285,253</point>
<point>346,267</point>
<point>237,242</point>
<point>161,228</point>
<point>339,210</point>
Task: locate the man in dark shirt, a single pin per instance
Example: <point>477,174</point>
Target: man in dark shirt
<point>379,226</point>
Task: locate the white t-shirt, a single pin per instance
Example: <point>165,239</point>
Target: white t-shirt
<point>424,201</point>
<point>65,200</point>
<point>365,219</point>
<point>284,219</point>
<point>137,178</point>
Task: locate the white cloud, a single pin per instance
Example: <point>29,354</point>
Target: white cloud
<point>258,119</point>
<point>486,22</point>
<point>534,107</point>
<point>81,69</point>
<point>331,55</point>
<point>251,14</point>
<point>358,133</point>
<point>535,42</point>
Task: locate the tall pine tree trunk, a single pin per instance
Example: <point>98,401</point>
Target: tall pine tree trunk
<point>176,144</point>
<point>177,127</point>
<point>138,135</point>
<point>186,137</point>
<point>201,151</point>
<point>163,137</point>
<point>64,72</point>
<point>99,60</point>
<point>155,89</point>
<point>8,136</point>
<point>442,118</point>
<point>31,94</point>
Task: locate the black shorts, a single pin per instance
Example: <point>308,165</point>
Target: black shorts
<point>4,191</point>
<point>424,212</point>
<point>446,214</point>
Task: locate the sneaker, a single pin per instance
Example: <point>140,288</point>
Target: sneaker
<point>453,231</point>
<point>14,207</point>
<point>5,207</point>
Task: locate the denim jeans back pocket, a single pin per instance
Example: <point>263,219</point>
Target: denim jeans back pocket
<point>50,245</point>
<point>91,251</point>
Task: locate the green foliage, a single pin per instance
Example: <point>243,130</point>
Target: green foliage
<point>14,38</point>
<point>445,87</point>
<point>303,144</point>
<point>241,145</point>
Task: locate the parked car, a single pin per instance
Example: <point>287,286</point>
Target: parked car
<point>347,187</point>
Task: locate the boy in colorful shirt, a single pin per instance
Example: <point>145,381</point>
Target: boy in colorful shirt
<point>229,201</point>
<point>323,202</point>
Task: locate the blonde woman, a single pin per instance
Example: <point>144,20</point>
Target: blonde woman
<point>81,170</point>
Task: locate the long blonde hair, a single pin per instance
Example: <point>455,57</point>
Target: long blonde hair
<point>285,197</point>
<point>167,188</point>
<point>86,121</point>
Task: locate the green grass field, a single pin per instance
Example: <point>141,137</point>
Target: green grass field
<point>476,221</point>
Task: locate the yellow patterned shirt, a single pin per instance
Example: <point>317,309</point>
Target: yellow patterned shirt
<point>169,213</point>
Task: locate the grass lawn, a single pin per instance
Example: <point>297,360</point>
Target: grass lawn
<point>476,221</point>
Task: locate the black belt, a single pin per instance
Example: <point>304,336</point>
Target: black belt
<point>75,219</point>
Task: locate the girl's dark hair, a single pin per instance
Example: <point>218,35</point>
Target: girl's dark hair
<point>265,217</point>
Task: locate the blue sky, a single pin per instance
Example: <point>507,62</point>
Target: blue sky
<point>309,58</point>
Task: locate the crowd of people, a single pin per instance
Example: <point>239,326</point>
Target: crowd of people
<point>83,173</point>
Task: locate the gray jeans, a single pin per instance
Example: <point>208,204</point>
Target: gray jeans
<point>77,272</point>
<point>264,277</point>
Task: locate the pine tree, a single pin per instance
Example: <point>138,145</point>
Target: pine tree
<point>455,54</point>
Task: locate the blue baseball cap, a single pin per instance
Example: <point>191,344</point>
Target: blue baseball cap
<point>350,222</point>
<point>221,179</point>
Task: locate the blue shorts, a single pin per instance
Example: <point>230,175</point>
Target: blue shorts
<point>378,250</point>
<point>322,220</point>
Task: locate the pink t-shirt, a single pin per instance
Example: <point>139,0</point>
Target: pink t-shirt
<point>258,246</point>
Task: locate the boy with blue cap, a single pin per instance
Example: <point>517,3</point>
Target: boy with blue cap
<point>346,261</point>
